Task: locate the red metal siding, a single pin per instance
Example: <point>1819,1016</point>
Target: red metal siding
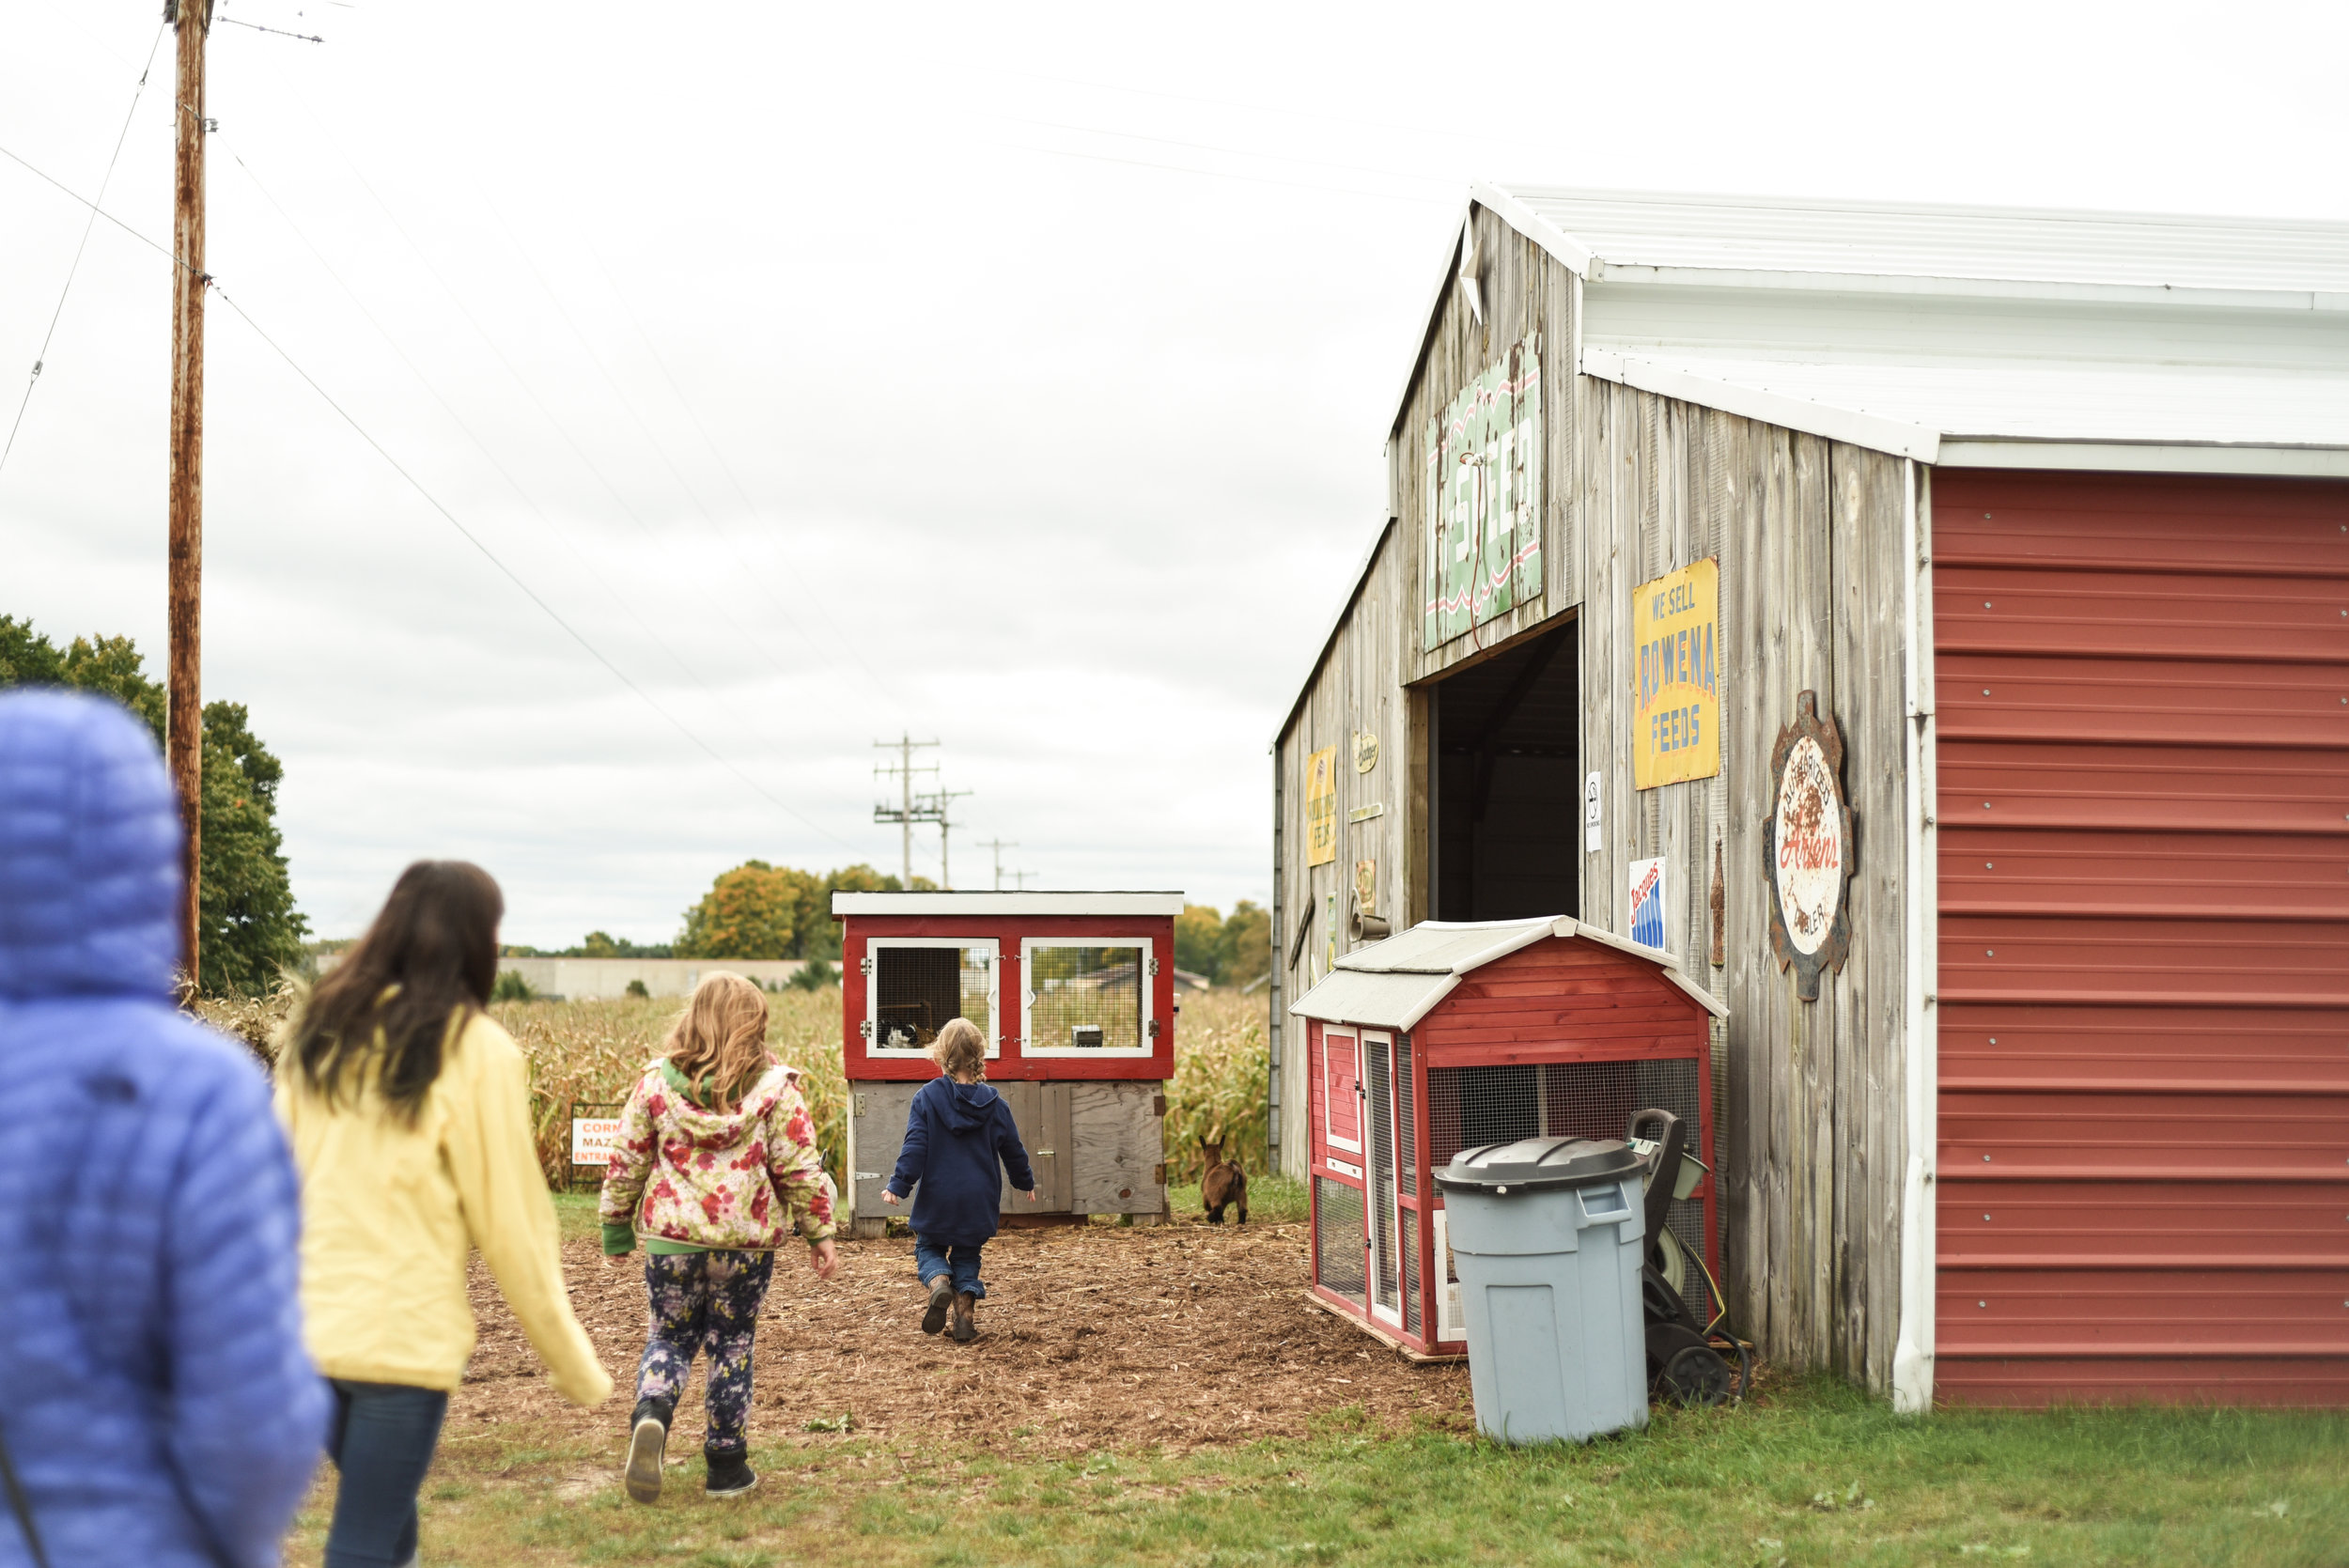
<point>2144,696</point>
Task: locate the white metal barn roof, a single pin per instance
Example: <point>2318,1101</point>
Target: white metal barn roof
<point>1395,983</point>
<point>1971,336</point>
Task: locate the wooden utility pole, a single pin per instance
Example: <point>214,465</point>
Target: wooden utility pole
<point>184,728</point>
<point>908,811</point>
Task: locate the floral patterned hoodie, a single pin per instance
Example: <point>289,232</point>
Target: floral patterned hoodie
<point>687,1176</point>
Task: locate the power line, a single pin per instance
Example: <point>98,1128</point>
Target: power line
<point>653,441</point>
<point>514,577</point>
<point>87,224</point>
<point>435,503</point>
<point>422,379</point>
<point>814,603</point>
<point>1232,151</point>
<point>1221,173</point>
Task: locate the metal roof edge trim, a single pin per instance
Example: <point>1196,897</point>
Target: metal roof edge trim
<point>1155,901</point>
<point>1570,252</point>
<point>1564,248</point>
<point>1337,622</point>
<point>1961,286</point>
<point>2309,462</point>
<point>1428,317</point>
<point>1439,988</point>
<point>1849,426</point>
<point>1669,962</point>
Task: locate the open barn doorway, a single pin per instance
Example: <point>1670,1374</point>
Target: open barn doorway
<point>1507,807</point>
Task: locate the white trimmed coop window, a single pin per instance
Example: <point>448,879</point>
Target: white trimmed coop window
<point>1090,999</point>
<point>914,985</point>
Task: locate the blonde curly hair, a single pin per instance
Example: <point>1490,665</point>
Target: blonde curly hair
<point>960,1049</point>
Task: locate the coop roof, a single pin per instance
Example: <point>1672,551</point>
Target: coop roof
<point>985,904</point>
<point>1395,983</point>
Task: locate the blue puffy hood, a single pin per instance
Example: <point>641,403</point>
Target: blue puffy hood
<point>89,851</point>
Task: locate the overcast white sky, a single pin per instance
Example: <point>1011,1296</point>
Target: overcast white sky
<point>1014,377</point>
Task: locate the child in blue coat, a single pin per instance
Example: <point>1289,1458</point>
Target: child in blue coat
<point>957,1133</point>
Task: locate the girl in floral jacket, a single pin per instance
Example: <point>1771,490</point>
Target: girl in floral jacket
<point>714,1167</point>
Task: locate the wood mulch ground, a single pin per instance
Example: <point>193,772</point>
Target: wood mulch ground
<point>1181,1335</point>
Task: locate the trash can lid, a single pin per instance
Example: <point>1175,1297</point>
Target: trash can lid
<point>1531,1164</point>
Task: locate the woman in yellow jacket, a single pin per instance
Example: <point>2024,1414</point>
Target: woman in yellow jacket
<point>409,1114</point>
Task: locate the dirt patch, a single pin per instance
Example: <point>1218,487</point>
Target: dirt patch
<point>1180,1335</point>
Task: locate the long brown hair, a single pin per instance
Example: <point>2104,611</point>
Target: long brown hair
<point>721,1035</point>
<point>437,942</point>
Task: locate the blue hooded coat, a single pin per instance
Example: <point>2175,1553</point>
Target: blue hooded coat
<point>955,1133</point>
<point>154,1393</point>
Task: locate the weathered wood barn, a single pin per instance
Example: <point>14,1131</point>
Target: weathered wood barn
<point>1931,625</point>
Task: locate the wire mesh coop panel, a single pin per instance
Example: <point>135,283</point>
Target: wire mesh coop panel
<point>916,986</point>
<point>1089,998</point>
<point>1378,1092</point>
<point>1338,1250</point>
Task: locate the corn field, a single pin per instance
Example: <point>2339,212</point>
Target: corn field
<point>591,1053</point>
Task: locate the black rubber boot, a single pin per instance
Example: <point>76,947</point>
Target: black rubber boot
<point>942,1297</point>
<point>965,1329</point>
<point>730,1474</point>
<point>647,1442</point>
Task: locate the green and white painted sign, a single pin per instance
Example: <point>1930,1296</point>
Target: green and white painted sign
<point>1483,495</point>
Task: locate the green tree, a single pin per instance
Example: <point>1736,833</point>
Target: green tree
<point>1199,939</point>
<point>1244,949</point>
<point>777,913</point>
<point>749,912</point>
<point>247,925</point>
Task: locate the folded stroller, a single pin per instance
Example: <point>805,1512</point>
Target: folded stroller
<point>1688,1361</point>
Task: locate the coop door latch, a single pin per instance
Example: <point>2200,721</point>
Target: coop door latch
<point>1154,966</point>
<point>865,965</point>
<point>865,1027</point>
<point>1154,1028</point>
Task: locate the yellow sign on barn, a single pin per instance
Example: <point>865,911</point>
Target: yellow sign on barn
<point>1321,807</point>
<point>1676,708</point>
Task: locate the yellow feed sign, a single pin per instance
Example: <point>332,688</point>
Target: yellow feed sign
<point>1321,807</point>
<point>1677,717</point>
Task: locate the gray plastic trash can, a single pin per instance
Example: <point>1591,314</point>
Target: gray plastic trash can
<point>1545,1234</point>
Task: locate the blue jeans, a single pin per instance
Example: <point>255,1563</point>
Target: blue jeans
<point>930,1261</point>
<point>381,1441</point>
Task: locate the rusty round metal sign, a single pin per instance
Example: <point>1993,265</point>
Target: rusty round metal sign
<point>1808,848</point>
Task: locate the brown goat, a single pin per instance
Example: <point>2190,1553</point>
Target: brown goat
<point>1223,1184</point>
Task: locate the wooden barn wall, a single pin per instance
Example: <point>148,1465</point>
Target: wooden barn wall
<point>1525,290</point>
<point>1355,691</point>
<point>1378,653</point>
<point>1808,1095</point>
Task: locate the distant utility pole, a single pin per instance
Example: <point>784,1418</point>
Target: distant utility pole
<point>998,846</point>
<point>184,727</point>
<point>906,813</point>
<point>943,803</point>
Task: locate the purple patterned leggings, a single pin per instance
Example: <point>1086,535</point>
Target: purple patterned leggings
<point>707,1302</point>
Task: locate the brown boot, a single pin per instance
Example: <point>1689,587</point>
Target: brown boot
<point>965,1329</point>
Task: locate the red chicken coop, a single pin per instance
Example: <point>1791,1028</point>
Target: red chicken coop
<point>1075,995</point>
<point>1448,1036</point>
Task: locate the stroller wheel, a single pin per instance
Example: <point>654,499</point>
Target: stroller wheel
<point>1696,1375</point>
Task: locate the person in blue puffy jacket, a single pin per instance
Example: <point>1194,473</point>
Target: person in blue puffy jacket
<point>156,1406</point>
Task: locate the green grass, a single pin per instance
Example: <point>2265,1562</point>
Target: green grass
<point>1816,1474</point>
<point>1271,1200</point>
<point>576,1213</point>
